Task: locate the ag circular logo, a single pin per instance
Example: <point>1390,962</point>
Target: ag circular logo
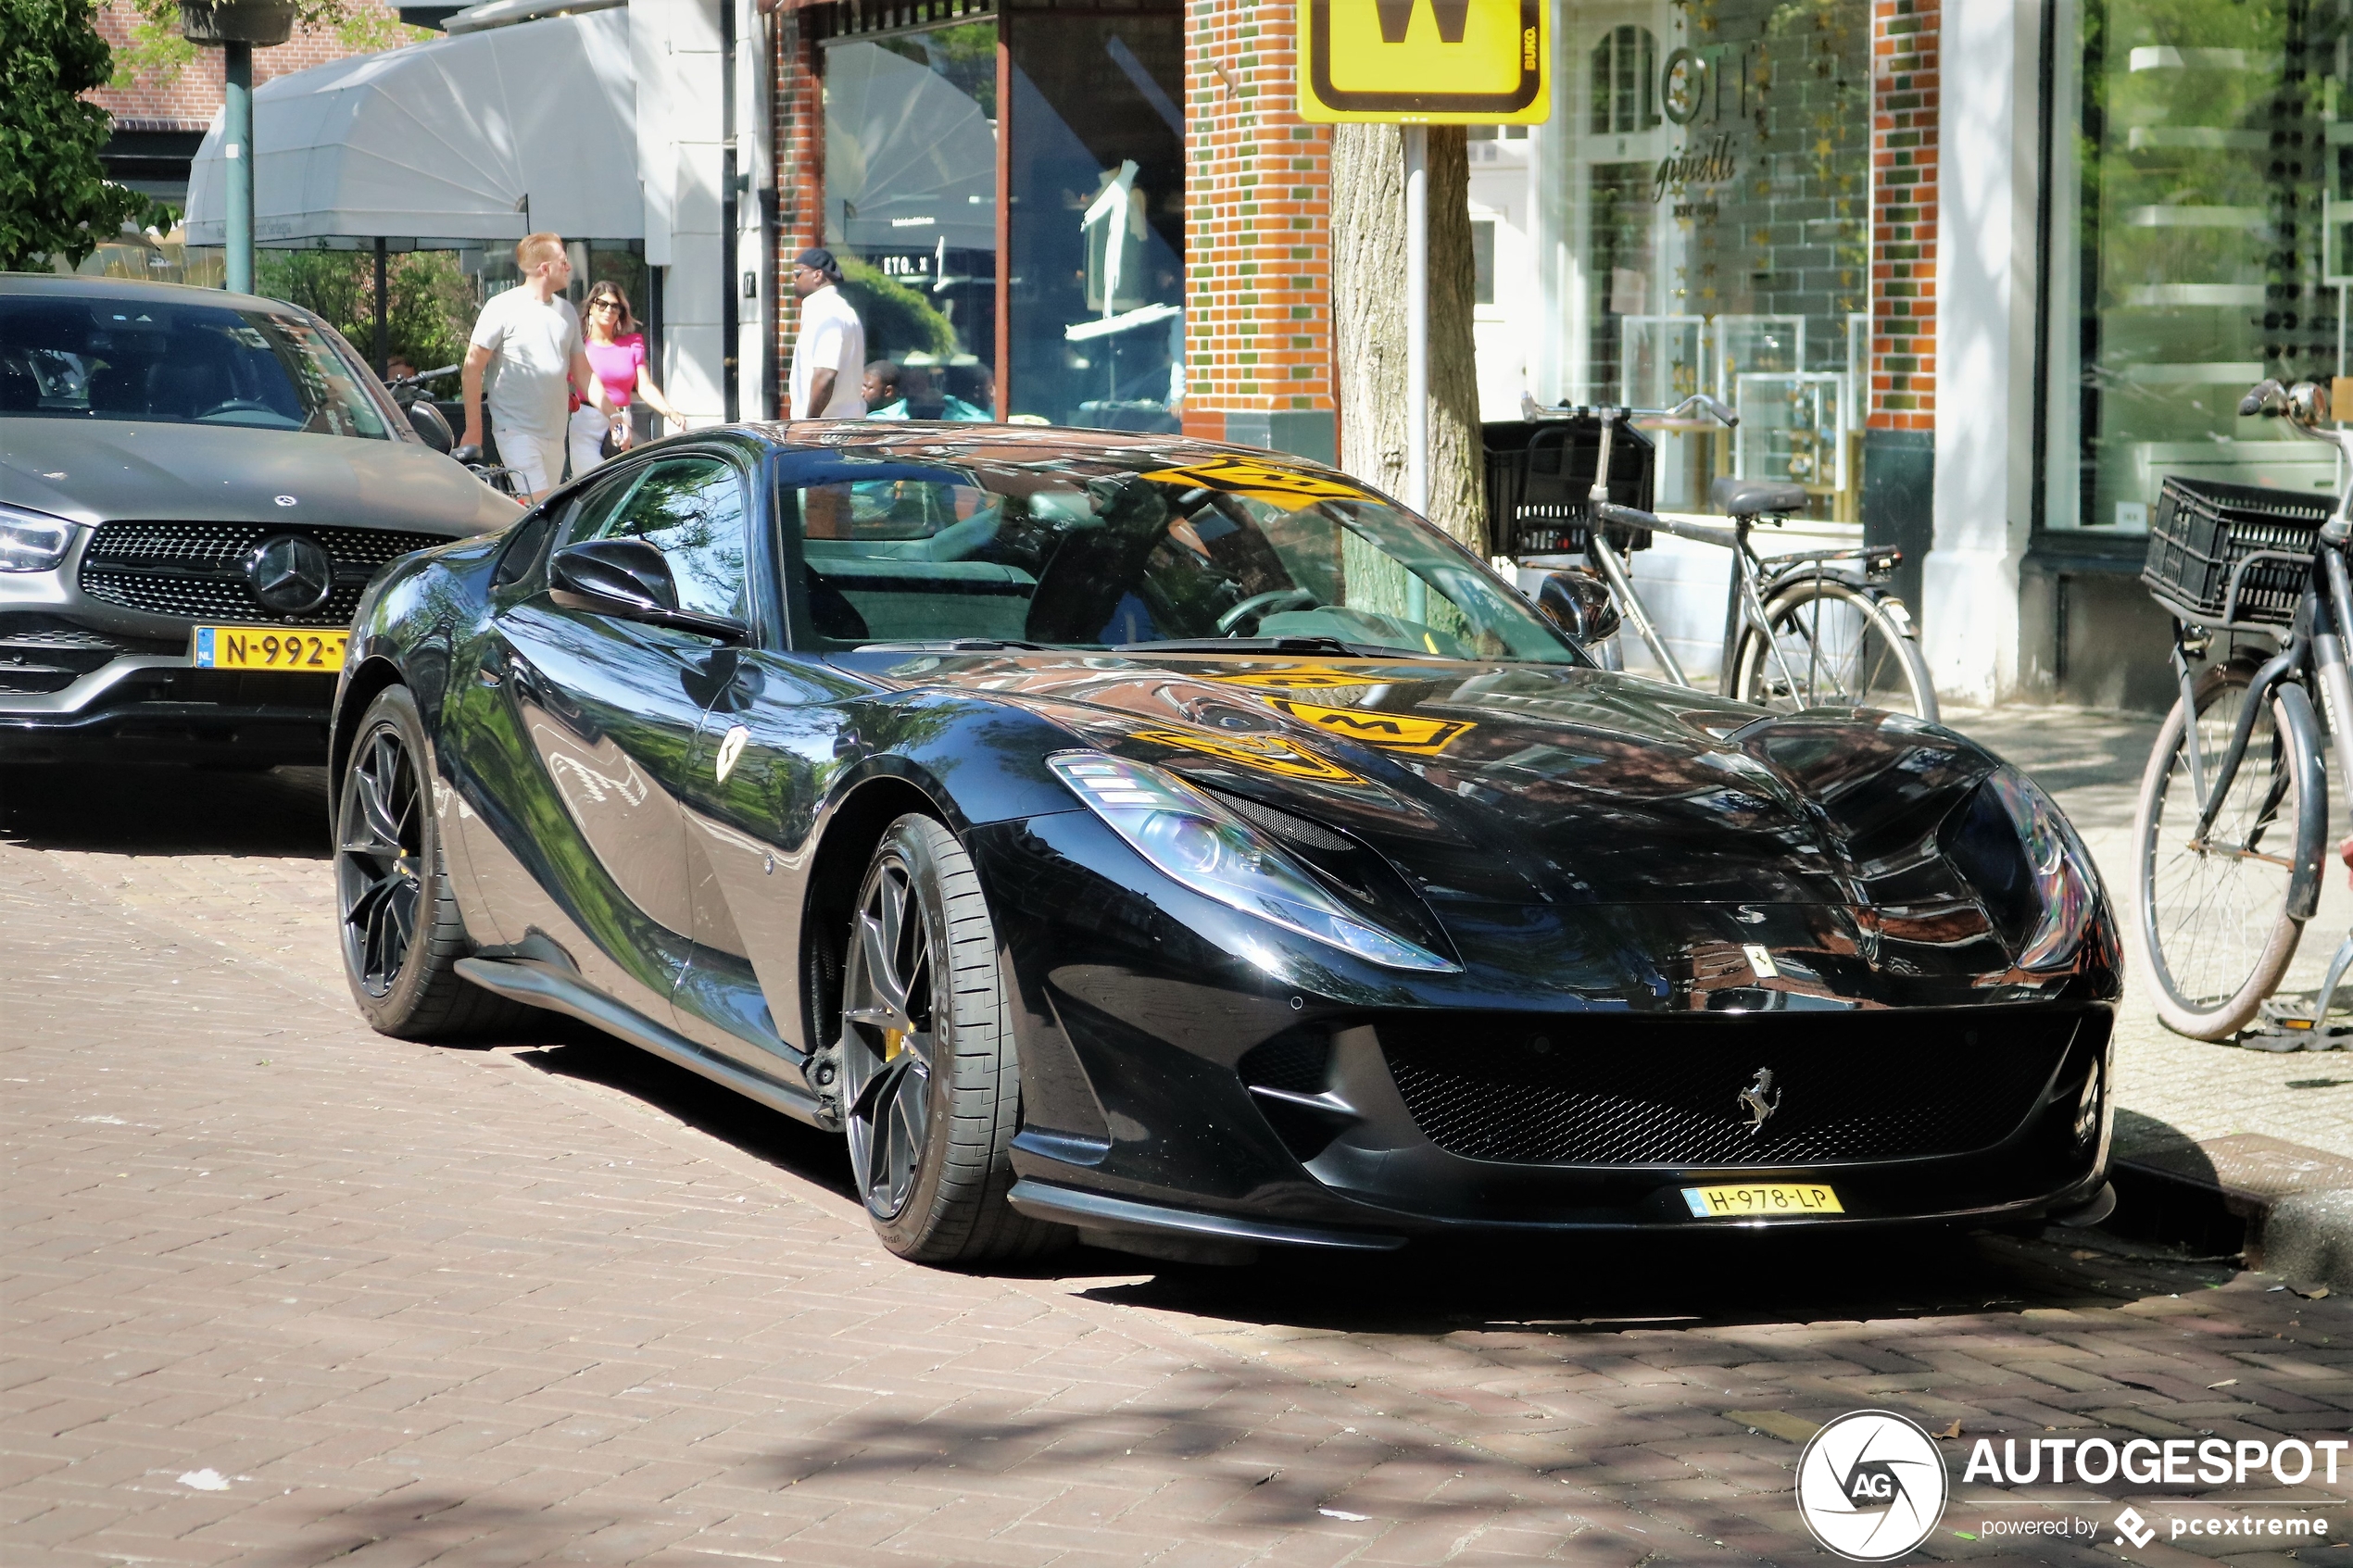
<point>1870,1486</point>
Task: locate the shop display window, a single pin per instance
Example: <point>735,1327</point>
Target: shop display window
<point>910,208</point>
<point>1097,173</point>
<point>2198,244</point>
<point>1707,202</point>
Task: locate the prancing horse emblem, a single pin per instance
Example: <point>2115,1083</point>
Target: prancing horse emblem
<point>1759,1100</point>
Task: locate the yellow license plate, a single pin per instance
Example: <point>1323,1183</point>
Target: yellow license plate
<point>1761,1201</point>
<point>269,647</point>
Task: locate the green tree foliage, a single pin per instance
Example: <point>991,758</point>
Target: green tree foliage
<point>429,304</point>
<point>898,320</point>
<point>157,51</point>
<point>55,198</point>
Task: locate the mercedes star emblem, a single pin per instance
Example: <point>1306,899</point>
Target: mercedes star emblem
<point>290,573</point>
<point>286,501</point>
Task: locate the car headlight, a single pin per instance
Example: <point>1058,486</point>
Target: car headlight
<point>1200,844</point>
<point>2030,868</point>
<point>33,540</point>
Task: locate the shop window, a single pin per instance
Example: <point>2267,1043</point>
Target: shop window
<point>1710,199</point>
<point>1625,80</point>
<point>1097,172</point>
<point>910,207</point>
<point>2198,238</point>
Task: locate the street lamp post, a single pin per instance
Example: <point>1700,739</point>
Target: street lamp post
<point>237,28</point>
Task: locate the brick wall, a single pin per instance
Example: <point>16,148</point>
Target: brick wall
<point>1258,327</point>
<point>190,98</point>
<point>1903,105</point>
<point>797,119</point>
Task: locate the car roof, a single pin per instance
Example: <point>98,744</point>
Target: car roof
<point>959,443</point>
<point>78,286</point>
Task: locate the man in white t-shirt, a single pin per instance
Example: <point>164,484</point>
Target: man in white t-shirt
<point>829,354</point>
<point>528,340</point>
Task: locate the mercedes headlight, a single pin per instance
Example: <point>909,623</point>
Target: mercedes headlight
<point>33,540</point>
<point>2027,864</point>
<point>1200,844</point>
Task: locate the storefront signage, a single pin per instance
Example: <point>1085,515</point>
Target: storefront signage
<point>1437,62</point>
<point>1710,163</point>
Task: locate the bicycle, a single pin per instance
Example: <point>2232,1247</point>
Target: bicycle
<point>1802,629</point>
<point>408,394</point>
<point>2234,803</point>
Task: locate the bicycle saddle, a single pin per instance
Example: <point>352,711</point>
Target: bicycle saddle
<point>1746,497</point>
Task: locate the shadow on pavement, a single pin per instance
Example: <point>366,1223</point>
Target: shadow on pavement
<point>1570,1287</point>
<point>166,810</point>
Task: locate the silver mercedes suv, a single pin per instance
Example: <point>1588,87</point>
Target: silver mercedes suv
<point>194,487</point>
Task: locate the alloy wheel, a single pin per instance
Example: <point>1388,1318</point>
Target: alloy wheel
<point>888,1044</point>
<point>379,859</point>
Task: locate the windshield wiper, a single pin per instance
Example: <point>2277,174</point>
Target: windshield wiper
<point>953,645</point>
<point>1265,644</point>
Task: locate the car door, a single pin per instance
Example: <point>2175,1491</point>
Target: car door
<point>591,720</point>
<point>770,750</point>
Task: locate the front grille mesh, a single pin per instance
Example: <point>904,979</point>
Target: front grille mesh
<point>1596,1090</point>
<point>194,569</point>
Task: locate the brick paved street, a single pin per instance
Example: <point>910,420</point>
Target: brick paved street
<point>281,1291</point>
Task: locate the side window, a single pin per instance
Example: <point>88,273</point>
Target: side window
<point>692,510</point>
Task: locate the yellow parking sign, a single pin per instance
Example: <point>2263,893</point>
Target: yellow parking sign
<point>1443,62</point>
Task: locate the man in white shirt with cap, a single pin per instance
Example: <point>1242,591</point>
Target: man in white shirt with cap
<point>829,354</point>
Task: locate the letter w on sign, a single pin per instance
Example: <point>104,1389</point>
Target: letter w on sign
<point>1396,15</point>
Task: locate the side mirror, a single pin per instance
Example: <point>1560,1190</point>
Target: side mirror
<point>1579,604</point>
<point>431,428</point>
<point>630,579</point>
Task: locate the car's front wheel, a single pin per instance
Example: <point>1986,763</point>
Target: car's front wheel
<point>402,934</point>
<point>931,1089</point>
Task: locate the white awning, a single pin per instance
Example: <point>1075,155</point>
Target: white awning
<point>463,141</point>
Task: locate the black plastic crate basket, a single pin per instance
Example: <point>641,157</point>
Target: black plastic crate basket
<point>2200,540</point>
<point>1540,478</point>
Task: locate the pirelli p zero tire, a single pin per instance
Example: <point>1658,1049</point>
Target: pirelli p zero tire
<point>401,932</point>
<point>931,1088</point>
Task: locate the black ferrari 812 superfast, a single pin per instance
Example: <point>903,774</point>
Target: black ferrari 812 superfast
<point>1185,847</point>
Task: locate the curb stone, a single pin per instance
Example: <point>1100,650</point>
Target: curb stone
<point>2288,1208</point>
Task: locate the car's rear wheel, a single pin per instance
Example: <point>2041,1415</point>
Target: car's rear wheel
<point>931,1089</point>
<point>402,934</point>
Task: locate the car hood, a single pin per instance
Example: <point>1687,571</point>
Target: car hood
<point>1520,783</point>
<point>98,470</point>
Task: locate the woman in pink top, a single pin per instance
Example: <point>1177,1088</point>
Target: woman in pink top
<point>617,353</point>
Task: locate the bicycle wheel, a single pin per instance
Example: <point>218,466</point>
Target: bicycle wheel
<point>2214,915</point>
<point>1840,646</point>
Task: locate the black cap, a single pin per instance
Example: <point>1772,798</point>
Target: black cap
<point>817,258</point>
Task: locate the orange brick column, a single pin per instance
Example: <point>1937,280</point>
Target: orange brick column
<point>1899,434</point>
<point>1258,322</point>
<point>798,123</point>
<point>1904,107</point>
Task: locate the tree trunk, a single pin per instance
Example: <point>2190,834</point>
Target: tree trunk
<point>1369,318</point>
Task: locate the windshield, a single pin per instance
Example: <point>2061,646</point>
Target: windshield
<point>1224,550</point>
<point>70,358</point>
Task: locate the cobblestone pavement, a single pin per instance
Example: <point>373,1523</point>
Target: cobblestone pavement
<point>281,1291</point>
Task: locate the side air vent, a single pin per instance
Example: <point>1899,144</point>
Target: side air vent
<point>1286,1076</point>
